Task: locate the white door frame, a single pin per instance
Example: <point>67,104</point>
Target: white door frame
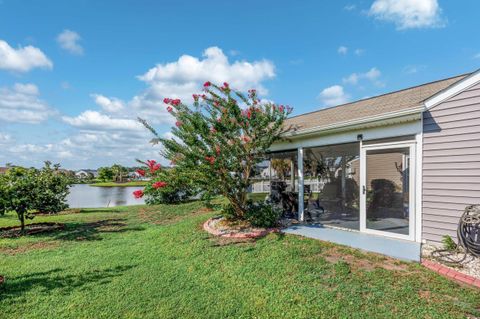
<point>412,183</point>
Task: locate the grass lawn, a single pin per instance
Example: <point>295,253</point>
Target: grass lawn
<point>156,262</point>
<point>114,184</point>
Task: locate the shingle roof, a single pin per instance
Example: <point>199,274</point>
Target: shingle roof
<point>387,103</point>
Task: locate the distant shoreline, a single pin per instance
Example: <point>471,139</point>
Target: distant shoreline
<point>114,184</point>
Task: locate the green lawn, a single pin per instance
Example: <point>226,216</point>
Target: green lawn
<point>114,184</point>
<point>156,262</point>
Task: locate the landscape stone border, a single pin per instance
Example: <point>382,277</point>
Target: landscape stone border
<point>451,274</point>
<point>241,235</point>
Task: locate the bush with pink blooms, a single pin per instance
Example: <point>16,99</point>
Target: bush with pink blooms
<point>166,186</point>
<point>220,138</point>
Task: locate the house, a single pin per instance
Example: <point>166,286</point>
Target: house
<point>86,173</point>
<point>401,166</point>
<point>3,170</point>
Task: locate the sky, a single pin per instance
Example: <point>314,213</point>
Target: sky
<point>75,75</point>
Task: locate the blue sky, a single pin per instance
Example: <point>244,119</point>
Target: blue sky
<point>75,74</point>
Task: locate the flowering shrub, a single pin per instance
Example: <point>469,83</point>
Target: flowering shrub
<point>158,191</point>
<point>221,137</point>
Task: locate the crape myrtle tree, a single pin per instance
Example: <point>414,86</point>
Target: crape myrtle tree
<point>221,137</point>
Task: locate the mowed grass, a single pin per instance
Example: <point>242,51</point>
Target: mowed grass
<point>157,262</point>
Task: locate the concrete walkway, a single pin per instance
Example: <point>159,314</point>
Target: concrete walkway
<point>397,248</point>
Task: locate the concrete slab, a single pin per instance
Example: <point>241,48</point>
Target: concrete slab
<point>396,248</point>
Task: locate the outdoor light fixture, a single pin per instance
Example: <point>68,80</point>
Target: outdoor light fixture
<point>359,137</point>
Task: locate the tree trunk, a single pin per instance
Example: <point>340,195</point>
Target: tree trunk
<point>22,221</point>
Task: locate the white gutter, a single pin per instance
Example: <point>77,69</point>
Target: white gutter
<point>346,125</point>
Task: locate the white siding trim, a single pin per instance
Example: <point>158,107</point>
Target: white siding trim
<point>456,88</point>
<point>419,187</point>
<point>300,184</point>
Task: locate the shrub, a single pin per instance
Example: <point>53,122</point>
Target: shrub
<point>221,138</point>
<point>25,191</point>
<point>261,214</point>
<point>51,189</point>
<point>258,214</point>
<point>178,187</point>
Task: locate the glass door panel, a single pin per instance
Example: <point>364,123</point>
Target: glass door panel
<point>387,183</point>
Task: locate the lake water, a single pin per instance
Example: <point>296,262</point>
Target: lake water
<point>86,196</point>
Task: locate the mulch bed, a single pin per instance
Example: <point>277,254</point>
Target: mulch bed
<point>217,227</point>
<point>30,229</point>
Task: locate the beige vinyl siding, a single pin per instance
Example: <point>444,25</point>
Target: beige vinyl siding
<point>451,163</point>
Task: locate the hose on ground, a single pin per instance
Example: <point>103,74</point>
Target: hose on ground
<point>468,234</point>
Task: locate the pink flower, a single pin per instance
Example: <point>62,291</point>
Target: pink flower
<point>141,172</point>
<point>176,102</point>
<point>153,166</point>
<point>281,108</point>
<point>167,100</point>
<point>225,84</point>
<point>158,185</point>
<point>207,84</point>
<point>169,109</point>
<point>246,139</point>
<point>213,130</point>
<point>210,159</point>
<point>195,97</point>
<point>217,149</point>
<point>138,194</point>
<point>178,123</point>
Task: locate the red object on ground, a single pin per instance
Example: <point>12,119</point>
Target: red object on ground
<point>451,274</point>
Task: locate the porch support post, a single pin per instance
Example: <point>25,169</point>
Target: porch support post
<point>344,180</point>
<point>300,184</point>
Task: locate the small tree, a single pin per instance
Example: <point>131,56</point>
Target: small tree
<point>105,174</point>
<point>20,193</point>
<point>221,138</point>
<point>25,191</point>
<point>52,188</point>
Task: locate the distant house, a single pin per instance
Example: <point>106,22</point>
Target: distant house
<point>136,176</point>
<point>86,173</point>
<point>3,170</point>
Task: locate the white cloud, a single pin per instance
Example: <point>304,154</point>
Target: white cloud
<point>93,120</point>
<point>371,75</point>
<point>108,104</point>
<point>21,104</point>
<point>22,59</point>
<point>412,69</point>
<point>185,76</point>
<point>343,50</point>
<point>68,40</point>
<point>359,51</point>
<point>408,14</point>
<point>333,95</point>
<point>5,138</point>
<point>350,7</point>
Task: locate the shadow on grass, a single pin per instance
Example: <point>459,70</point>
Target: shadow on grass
<point>48,281</point>
<point>93,230</point>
